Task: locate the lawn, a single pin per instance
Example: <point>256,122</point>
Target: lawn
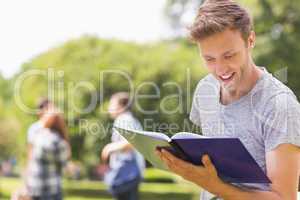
<point>92,190</point>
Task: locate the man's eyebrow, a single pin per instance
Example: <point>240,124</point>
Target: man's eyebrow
<point>207,56</point>
<point>228,52</point>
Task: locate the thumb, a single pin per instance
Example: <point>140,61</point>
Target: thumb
<point>209,165</point>
<point>206,161</point>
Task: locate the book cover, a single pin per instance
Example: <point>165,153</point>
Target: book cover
<point>232,160</point>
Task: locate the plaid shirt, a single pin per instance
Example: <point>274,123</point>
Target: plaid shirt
<point>49,154</point>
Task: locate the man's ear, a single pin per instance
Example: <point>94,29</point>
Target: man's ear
<point>251,39</point>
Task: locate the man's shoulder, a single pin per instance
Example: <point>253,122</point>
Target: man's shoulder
<point>208,79</point>
<point>125,117</point>
<point>207,86</point>
<point>127,120</point>
<point>273,95</point>
<point>274,89</point>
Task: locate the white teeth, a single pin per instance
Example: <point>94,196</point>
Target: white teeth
<point>226,76</point>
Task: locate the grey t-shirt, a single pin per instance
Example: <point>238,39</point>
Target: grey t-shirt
<point>267,116</point>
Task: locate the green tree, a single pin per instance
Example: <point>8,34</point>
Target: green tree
<point>173,66</point>
<point>177,13</point>
<point>278,33</point>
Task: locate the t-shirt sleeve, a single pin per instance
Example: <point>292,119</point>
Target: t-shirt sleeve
<point>31,133</point>
<point>195,109</point>
<point>128,122</point>
<point>125,121</point>
<point>282,121</point>
<point>205,100</point>
<point>195,114</point>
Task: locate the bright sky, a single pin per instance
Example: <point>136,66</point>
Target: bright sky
<point>33,26</point>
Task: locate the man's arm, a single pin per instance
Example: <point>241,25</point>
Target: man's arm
<point>113,147</point>
<point>283,166</point>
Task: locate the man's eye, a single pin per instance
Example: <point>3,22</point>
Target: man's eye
<point>210,60</point>
<point>229,56</point>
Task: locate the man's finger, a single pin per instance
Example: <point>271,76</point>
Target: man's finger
<point>206,161</point>
<point>167,155</point>
<point>208,164</point>
<point>176,162</point>
<point>158,153</point>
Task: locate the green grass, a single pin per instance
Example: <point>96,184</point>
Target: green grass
<point>92,190</point>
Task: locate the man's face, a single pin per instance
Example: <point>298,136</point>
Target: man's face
<point>227,57</point>
<point>114,108</point>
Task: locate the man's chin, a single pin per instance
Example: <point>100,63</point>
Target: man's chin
<point>230,88</point>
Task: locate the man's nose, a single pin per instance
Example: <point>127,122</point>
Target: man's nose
<point>221,68</point>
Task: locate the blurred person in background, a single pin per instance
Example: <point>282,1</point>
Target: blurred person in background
<point>125,164</point>
<point>49,153</point>
<point>42,106</point>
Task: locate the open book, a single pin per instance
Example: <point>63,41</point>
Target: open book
<point>232,160</point>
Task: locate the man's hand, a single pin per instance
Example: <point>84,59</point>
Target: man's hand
<point>282,168</point>
<point>113,147</point>
<point>107,150</point>
<point>205,176</point>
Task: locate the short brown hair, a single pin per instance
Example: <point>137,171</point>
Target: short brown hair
<point>123,99</point>
<point>43,103</point>
<point>215,16</point>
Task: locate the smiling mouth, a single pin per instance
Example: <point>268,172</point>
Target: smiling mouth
<point>226,78</point>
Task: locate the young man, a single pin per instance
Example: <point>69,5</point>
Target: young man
<point>240,99</point>
<point>126,165</point>
<point>34,128</point>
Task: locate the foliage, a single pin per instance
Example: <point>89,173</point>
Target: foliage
<point>77,65</point>
<point>279,32</point>
<point>277,25</point>
<point>70,75</point>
